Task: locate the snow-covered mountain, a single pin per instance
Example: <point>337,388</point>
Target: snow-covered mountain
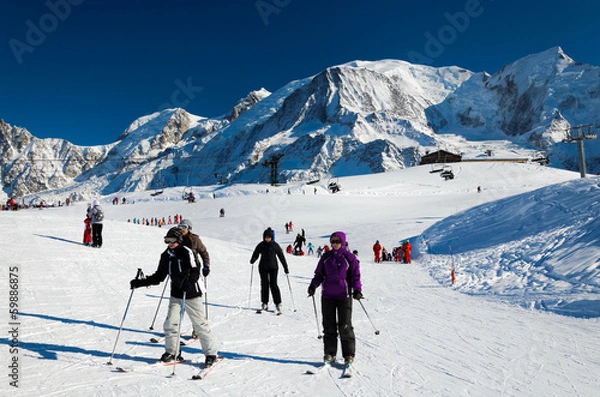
<point>30,165</point>
<point>533,101</point>
<point>351,119</point>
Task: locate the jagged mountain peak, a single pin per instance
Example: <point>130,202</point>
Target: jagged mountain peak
<point>418,80</point>
<point>534,69</point>
<point>147,125</point>
<point>247,103</point>
<point>29,165</point>
<point>11,138</point>
<point>345,93</point>
<point>150,136</point>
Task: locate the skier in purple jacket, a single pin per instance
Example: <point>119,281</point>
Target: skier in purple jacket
<point>338,272</point>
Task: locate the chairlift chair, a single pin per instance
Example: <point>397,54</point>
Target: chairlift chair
<point>447,173</point>
<point>334,186</point>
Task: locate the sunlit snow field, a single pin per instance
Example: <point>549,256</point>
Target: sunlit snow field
<point>521,320</point>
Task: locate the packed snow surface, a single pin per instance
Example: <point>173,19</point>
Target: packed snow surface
<point>522,318</point>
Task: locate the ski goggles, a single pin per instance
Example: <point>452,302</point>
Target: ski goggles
<point>170,240</point>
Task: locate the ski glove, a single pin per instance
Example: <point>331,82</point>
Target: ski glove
<point>286,270</point>
<point>205,271</point>
<point>357,295</point>
<point>311,290</point>
<point>137,283</point>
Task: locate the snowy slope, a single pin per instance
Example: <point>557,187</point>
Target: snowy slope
<point>473,339</point>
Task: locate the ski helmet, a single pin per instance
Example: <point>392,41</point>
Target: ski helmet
<point>176,234</point>
<point>185,224</point>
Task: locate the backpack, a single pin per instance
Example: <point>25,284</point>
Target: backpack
<point>99,214</point>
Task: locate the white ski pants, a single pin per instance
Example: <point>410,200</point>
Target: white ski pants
<point>195,311</point>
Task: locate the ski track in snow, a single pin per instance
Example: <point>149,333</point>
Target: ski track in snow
<point>434,340</point>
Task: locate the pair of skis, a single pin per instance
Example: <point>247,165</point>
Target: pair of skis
<point>148,367</point>
<point>259,311</point>
<point>201,374</point>
<point>347,372</point>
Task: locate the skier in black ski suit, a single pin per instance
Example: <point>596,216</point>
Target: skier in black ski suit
<point>300,240</point>
<point>269,251</point>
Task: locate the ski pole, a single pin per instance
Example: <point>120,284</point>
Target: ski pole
<point>205,298</point>
<point>179,331</point>
<point>369,317</point>
<point>250,292</point>
<point>291,294</point>
<point>317,318</point>
<point>159,302</point>
<point>137,276</point>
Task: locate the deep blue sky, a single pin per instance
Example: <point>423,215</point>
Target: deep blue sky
<point>100,64</point>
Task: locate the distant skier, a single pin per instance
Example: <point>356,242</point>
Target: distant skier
<point>300,240</point>
<point>377,251</point>
<point>97,216</point>
<point>269,251</point>
<point>87,231</point>
<point>384,254</point>
<point>406,248</point>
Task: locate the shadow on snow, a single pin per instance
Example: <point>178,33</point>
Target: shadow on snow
<point>48,351</point>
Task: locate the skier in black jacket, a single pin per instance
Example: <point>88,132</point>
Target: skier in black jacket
<point>268,268</point>
<point>177,261</point>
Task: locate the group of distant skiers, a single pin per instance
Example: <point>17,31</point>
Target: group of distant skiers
<point>398,254</point>
<point>155,221</point>
<point>115,201</point>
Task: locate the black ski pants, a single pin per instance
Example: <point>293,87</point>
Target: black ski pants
<point>268,280</point>
<point>337,317</point>
<point>97,234</point>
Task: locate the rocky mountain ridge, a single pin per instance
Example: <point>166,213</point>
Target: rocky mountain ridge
<point>357,118</point>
